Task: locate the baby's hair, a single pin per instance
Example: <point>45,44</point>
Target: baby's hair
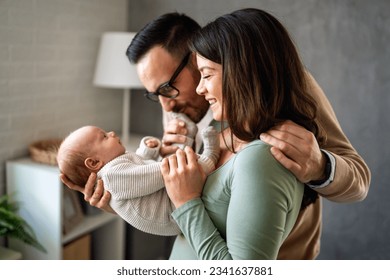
<point>71,163</point>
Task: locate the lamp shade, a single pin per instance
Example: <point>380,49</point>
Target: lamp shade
<point>113,68</point>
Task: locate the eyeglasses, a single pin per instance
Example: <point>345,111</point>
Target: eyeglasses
<point>167,89</point>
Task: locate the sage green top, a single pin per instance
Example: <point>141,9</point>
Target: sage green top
<point>248,207</point>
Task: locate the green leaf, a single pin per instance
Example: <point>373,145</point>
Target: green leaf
<point>14,226</point>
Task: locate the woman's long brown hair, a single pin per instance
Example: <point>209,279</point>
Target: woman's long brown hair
<point>263,77</point>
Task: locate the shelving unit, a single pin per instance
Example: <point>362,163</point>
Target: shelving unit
<point>40,192</point>
<point>8,254</point>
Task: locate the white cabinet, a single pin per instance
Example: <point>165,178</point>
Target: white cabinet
<point>8,254</point>
<point>40,192</point>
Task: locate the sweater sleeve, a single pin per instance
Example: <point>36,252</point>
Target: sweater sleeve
<point>264,203</point>
<point>352,175</point>
<point>132,177</point>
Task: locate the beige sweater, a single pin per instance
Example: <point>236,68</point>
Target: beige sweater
<point>350,184</point>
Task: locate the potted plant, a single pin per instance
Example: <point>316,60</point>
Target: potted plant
<point>14,226</point>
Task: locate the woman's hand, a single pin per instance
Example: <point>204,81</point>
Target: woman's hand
<point>183,176</point>
<point>94,194</point>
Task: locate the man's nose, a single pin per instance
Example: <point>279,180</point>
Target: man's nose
<point>167,103</point>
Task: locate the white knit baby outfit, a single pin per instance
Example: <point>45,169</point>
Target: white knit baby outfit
<point>137,188</point>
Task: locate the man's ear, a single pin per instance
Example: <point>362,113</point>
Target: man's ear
<point>93,164</point>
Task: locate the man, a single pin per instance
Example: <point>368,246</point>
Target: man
<point>170,76</point>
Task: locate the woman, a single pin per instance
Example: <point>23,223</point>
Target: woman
<point>253,78</point>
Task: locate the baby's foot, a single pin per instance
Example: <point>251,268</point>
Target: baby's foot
<point>211,143</point>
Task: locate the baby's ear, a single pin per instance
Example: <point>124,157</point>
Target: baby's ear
<point>93,164</point>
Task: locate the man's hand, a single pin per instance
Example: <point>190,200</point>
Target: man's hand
<point>95,196</point>
<point>175,132</point>
<point>297,150</point>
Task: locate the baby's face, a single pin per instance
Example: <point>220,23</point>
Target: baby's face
<point>105,145</point>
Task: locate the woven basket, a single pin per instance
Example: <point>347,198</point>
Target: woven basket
<point>45,151</point>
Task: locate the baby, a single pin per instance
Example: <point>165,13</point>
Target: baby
<point>134,179</point>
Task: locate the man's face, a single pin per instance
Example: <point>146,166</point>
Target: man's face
<point>157,66</point>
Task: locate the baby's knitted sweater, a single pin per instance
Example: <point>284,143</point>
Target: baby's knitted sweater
<point>138,194</point>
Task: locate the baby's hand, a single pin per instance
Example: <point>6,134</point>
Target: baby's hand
<point>151,142</point>
<point>191,128</point>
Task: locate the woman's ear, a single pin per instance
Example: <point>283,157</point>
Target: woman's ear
<point>93,164</point>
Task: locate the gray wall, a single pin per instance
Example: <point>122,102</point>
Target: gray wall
<point>47,55</point>
<point>48,51</point>
<point>344,44</point>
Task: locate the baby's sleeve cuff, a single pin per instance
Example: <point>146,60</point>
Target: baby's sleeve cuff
<point>146,152</point>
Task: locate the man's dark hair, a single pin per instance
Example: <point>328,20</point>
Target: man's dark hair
<point>172,31</point>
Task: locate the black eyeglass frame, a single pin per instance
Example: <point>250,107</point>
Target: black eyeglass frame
<point>153,96</point>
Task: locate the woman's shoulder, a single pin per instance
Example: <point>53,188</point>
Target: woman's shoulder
<point>257,143</point>
<point>256,166</point>
<point>255,147</point>
<point>256,161</point>
<point>257,153</point>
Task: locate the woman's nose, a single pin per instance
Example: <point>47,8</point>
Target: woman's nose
<point>112,134</point>
<point>200,90</point>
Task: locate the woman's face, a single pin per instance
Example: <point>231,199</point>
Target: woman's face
<point>210,85</point>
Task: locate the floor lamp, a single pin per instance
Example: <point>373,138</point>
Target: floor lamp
<point>113,70</point>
